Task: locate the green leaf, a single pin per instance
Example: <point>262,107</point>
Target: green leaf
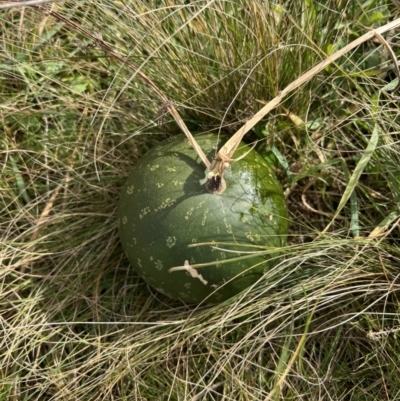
<point>391,85</point>
<point>355,221</point>
<point>359,169</point>
<point>355,177</point>
<point>282,161</point>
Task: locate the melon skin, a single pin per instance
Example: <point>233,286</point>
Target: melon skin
<point>164,212</point>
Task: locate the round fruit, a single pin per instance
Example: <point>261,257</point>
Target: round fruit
<point>212,243</point>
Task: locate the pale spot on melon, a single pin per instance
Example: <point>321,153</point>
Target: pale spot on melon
<point>171,241</point>
<point>158,265</point>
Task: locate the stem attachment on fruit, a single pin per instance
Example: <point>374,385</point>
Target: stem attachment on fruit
<point>214,181</point>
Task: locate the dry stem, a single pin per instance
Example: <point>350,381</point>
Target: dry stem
<point>214,171</point>
<point>225,154</point>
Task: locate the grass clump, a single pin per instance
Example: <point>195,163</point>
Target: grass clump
<point>77,321</point>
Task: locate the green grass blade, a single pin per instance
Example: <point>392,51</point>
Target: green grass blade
<point>355,177</point>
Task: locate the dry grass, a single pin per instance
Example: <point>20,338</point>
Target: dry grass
<point>78,323</point>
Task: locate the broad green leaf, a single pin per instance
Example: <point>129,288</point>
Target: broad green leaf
<point>391,85</point>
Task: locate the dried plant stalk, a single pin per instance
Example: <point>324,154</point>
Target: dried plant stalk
<point>224,157</point>
<point>214,171</point>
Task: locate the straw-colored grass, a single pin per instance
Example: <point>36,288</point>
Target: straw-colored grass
<point>77,323</point>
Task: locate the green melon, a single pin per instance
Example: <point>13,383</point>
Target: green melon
<point>164,212</point>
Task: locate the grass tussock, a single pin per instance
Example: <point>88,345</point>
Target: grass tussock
<point>77,322</point>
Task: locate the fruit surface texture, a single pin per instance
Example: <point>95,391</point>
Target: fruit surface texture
<point>220,244</point>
